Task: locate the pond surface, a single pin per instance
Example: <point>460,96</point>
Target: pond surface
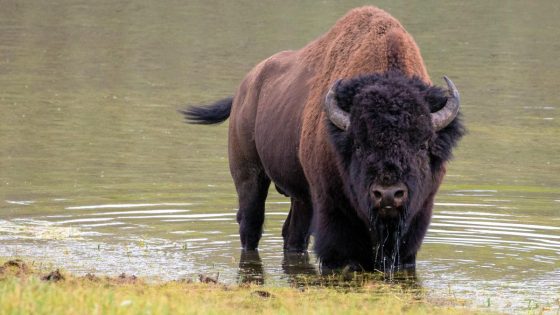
<point>99,174</point>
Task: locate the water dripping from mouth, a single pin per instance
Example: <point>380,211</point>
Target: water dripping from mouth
<point>387,242</point>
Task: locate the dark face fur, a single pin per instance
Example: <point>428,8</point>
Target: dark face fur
<point>391,153</point>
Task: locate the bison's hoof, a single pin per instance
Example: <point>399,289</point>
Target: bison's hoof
<point>349,267</point>
<point>353,267</point>
<point>295,249</point>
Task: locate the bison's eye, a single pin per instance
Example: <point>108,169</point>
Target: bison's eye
<point>358,149</point>
<point>424,146</point>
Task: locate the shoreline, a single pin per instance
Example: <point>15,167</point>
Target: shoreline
<point>25,290</point>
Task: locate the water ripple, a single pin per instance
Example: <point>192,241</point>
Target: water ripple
<point>131,205</point>
<point>512,225</point>
<point>162,211</point>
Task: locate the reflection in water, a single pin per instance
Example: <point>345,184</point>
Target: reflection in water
<point>250,267</point>
<point>297,269</point>
<point>300,273</point>
<point>294,265</point>
<point>297,263</point>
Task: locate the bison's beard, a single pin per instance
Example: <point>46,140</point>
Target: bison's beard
<point>387,236</point>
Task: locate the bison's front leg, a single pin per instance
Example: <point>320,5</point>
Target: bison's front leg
<point>342,241</point>
<point>296,228</point>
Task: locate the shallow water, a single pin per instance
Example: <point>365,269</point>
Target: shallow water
<point>99,174</point>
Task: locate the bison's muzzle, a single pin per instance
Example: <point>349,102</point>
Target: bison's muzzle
<point>389,201</point>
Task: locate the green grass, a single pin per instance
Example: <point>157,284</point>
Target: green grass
<point>24,291</point>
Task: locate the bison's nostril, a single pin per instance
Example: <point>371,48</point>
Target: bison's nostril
<point>399,194</point>
<point>377,194</point>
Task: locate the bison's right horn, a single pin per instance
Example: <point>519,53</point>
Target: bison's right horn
<point>445,116</point>
<point>337,115</point>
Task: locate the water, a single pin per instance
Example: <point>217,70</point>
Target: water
<point>99,174</point>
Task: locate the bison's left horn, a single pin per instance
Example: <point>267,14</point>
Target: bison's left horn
<point>337,115</point>
<point>445,116</point>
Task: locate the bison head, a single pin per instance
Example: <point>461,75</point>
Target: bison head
<point>393,135</point>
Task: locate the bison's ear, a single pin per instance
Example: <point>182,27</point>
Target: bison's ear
<point>445,140</point>
<point>448,137</point>
<point>436,98</point>
<point>345,92</point>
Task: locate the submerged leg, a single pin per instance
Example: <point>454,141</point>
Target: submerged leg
<point>296,229</point>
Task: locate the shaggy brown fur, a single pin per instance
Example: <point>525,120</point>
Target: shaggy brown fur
<point>366,40</point>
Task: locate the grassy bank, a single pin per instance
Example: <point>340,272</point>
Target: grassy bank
<point>24,291</point>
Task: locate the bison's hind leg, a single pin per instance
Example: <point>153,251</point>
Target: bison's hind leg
<point>296,229</point>
<point>252,188</point>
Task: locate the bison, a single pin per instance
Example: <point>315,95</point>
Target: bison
<point>350,128</point>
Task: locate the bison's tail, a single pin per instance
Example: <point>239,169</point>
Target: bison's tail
<point>207,115</point>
